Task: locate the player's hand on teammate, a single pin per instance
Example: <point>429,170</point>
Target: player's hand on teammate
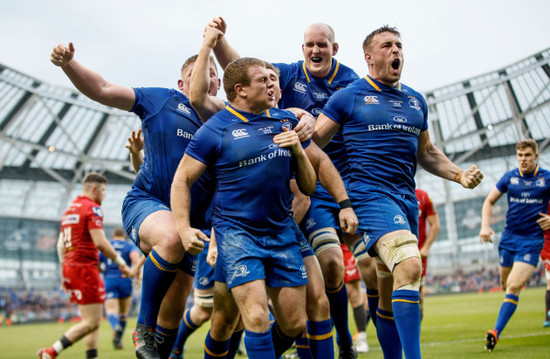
<point>348,220</point>
<point>193,240</point>
<point>306,126</point>
<point>486,235</point>
<point>135,142</point>
<point>61,54</point>
<point>288,139</point>
<point>471,177</point>
<point>544,221</point>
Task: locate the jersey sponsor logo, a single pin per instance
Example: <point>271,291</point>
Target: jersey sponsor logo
<point>514,180</point>
<point>300,87</point>
<point>278,152</point>
<point>303,270</point>
<point>526,200</point>
<point>400,119</point>
<point>184,109</point>
<point>399,219</point>
<point>70,219</point>
<point>350,272</point>
<point>303,246</point>
<point>184,134</point>
<point>540,182</point>
<point>97,211</point>
<point>371,100</point>
<point>525,194</point>
<point>316,111</point>
<point>240,133</point>
<point>397,103</point>
<point>414,103</point>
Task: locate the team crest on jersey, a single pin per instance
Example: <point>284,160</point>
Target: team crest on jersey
<point>514,180</point>
<point>397,103</point>
<point>287,125</point>
<point>239,133</point>
<point>300,87</point>
<point>414,103</point>
<point>371,100</point>
<point>399,219</point>
<point>310,223</point>
<point>525,194</point>
<point>400,119</point>
<point>184,109</point>
<point>97,211</point>
<point>316,111</point>
<point>540,182</point>
<point>527,257</point>
<point>203,281</point>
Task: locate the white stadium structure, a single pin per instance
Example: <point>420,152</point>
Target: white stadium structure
<point>50,136</point>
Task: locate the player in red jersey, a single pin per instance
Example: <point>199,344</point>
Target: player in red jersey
<point>80,238</point>
<point>426,212</point>
<point>545,258</point>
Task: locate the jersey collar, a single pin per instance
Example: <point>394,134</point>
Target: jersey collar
<point>334,70</point>
<point>374,84</point>
<point>241,115</point>
<point>534,173</point>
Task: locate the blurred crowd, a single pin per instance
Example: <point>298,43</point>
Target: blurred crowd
<point>481,280</point>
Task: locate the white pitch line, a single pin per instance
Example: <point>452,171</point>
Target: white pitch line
<point>481,339</point>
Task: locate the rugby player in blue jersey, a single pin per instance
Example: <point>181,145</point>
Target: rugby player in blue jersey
<point>252,148</point>
<point>308,84</point>
<point>118,289</point>
<point>168,124</point>
<point>528,191</point>
<point>385,130</point>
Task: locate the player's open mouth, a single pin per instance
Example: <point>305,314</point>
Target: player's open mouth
<point>395,64</point>
<point>316,59</point>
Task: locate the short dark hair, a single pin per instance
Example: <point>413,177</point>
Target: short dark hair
<point>191,60</point>
<point>527,143</point>
<point>118,232</point>
<point>237,73</point>
<point>386,28</point>
<point>94,177</point>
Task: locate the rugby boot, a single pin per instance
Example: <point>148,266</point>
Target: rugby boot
<point>145,344</point>
<point>176,354</point>
<point>47,353</point>
<point>348,353</point>
<point>491,340</point>
<point>117,339</point>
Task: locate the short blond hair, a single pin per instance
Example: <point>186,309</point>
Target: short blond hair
<point>527,143</point>
<point>237,73</point>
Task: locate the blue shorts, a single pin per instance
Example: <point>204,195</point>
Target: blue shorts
<point>137,206</point>
<point>244,257</point>
<point>514,248</point>
<point>118,288</point>
<point>204,275</point>
<point>380,212</point>
<point>322,213</point>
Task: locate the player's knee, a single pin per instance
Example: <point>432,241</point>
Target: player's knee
<point>382,271</point>
<point>318,307</point>
<point>92,324</point>
<point>398,249</point>
<point>294,325</point>
<point>323,239</point>
<point>332,264</point>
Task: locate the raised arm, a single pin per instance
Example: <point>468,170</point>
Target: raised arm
<point>135,146</point>
<point>224,52</point>
<point>435,162</point>
<point>90,83</point>
<point>486,231</point>
<point>189,170</point>
<point>202,102</point>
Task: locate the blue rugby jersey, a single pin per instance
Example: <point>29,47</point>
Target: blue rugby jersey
<point>528,195</point>
<point>303,90</point>
<point>381,127</point>
<point>124,248</point>
<point>252,173</point>
<point>168,124</point>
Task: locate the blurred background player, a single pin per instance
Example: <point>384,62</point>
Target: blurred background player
<point>426,213</point>
<point>522,240</point>
<point>545,257</point>
<point>357,299</point>
<point>80,239</point>
<point>118,289</point>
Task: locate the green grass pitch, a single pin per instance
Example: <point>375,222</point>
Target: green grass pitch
<point>454,326</point>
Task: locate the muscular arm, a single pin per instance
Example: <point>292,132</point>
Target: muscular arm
<point>90,83</point>
<point>189,170</point>
<point>224,52</point>
<point>435,226</point>
<point>102,243</point>
<point>202,102</point>
<point>305,174</point>
<point>300,202</point>
<point>435,162</point>
<point>486,231</point>
<point>325,128</point>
